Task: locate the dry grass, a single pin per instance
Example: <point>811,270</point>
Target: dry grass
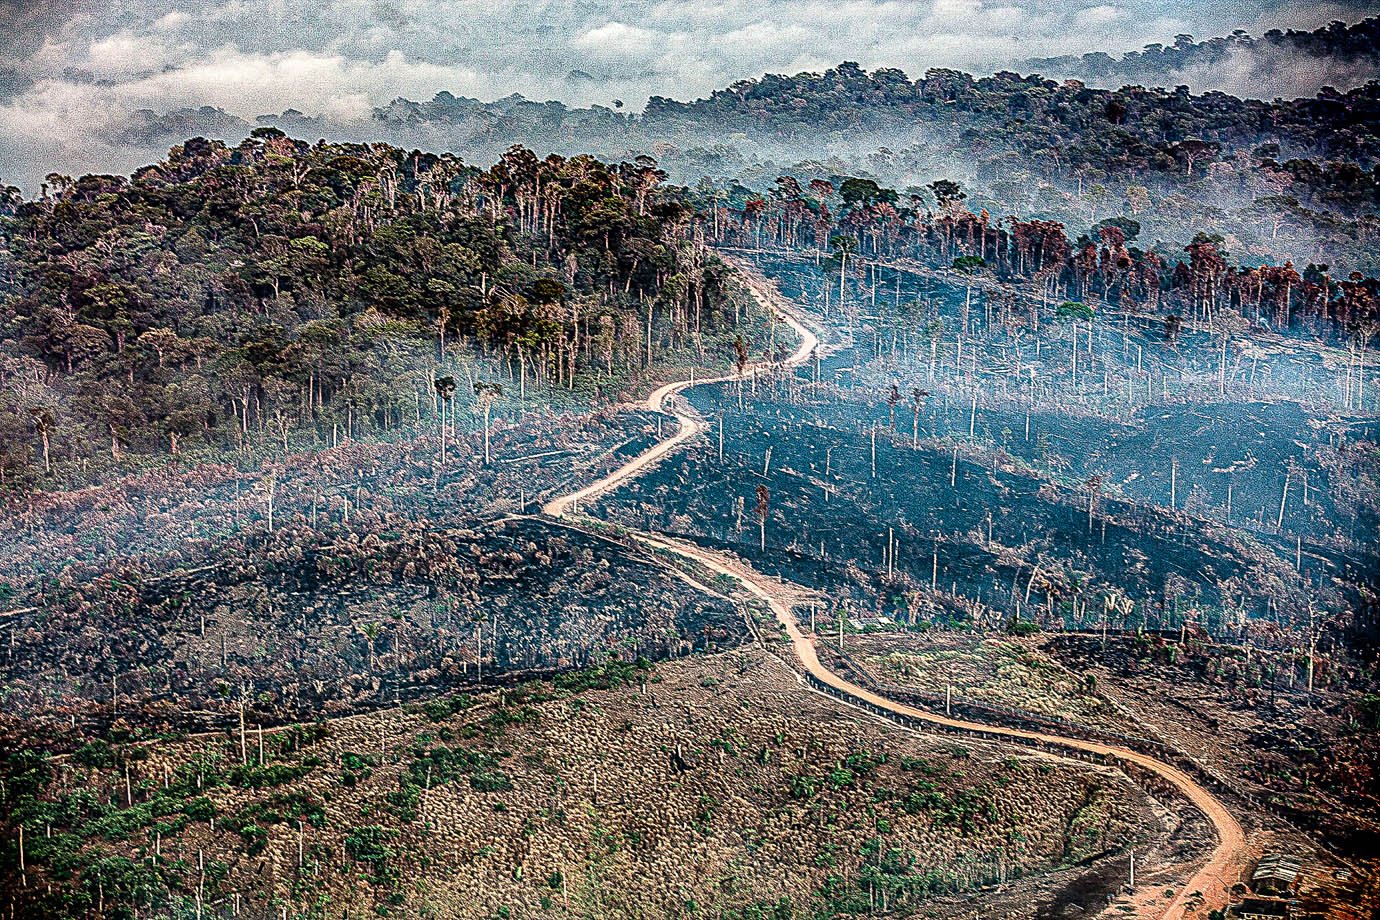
<point>716,786</point>
<point>993,670</point>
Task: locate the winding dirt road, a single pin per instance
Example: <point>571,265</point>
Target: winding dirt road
<point>1209,886</point>
<point>688,425</point>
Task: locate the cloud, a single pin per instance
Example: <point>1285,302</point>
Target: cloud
<point>618,39</point>
<point>1100,15</point>
<point>1272,73</point>
<point>125,55</point>
<point>170,22</point>
<point>25,25</point>
<point>72,75</point>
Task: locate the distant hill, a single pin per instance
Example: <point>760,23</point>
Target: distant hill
<point>1290,178</point>
<point>1278,63</point>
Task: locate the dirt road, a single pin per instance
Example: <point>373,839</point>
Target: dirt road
<point>1211,882</point>
<point>689,424</point>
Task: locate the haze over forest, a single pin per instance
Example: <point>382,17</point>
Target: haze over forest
<point>89,87</point>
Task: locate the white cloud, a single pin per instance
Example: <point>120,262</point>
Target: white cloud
<point>956,9</point>
<point>618,40</point>
<point>339,58</point>
<point>170,22</point>
<point>126,54</point>
<point>1100,15</point>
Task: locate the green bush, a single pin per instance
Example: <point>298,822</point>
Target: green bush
<point>255,837</point>
<point>200,809</point>
<point>97,754</point>
<point>606,676</point>
<point>369,845</point>
<point>923,796</point>
<point>490,780</point>
<point>405,799</point>
<point>441,764</point>
<point>446,706</point>
<point>762,910</point>
<point>249,776</point>
<point>352,761</point>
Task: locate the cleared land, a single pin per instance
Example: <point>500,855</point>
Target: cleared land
<point>537,800</point>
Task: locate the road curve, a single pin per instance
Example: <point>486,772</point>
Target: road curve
<point>1213,879</point>
<point>688,425</point>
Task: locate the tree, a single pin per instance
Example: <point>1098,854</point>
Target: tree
<point>917,402</point>
<point>968,266</point>
<point>1173,326</point>
<point>371,632</point>
<point>762,508</point>
<point>1075,310</point>
<point>947,192</point>
<point>740,354</point>
<point>44,424</point>
<point>487,392</point>
<point>1095,194</point>
<point>893,399</point>
<point>843,246</point>
<point>1094,486</point>
<point>1191,150</point>
<point>1226,323</point>
<point>445,392</point>
<point>1137,198</point>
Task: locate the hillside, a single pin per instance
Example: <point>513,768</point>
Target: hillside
<point>277,296</point>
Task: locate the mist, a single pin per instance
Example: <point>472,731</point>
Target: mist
<point>87,89</point>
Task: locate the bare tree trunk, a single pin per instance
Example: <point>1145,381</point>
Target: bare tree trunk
<point>1283,502</point>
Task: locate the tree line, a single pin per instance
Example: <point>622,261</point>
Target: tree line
<point>852,217</point>
<point>1354,44</point>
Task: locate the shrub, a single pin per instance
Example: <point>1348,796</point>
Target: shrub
<point>405,800</point>
<point>369,844</point>
<point>352,761</point>
<point>490,780</point>
<point>841,777</point>
<point>255,837</point>
<point>606,676</point>
<point>441,708</point>
<point>923,797</point>
<point>256,777</point>
<point>442,764</point>
<point>200,809</point>
<point>97,754</point>
<point>862,762</point>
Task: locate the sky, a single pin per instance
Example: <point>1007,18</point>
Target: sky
<point>74,72</point>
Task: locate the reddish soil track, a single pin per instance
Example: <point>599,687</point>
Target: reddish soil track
<point>1211,881</point>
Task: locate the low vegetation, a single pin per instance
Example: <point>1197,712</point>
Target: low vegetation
<point>532,801</point>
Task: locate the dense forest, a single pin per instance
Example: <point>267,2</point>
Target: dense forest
<point>282,295</point>
<point>1285,179</point>
<point>1292,178</point>
<point>1337,44</point>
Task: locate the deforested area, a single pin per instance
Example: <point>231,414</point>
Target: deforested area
<point>532,800</point>
<point>1055,521</point>
<point>298,632</point>
<point>849,493</point>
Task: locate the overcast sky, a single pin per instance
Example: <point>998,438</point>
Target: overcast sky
<point>72,70</point>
